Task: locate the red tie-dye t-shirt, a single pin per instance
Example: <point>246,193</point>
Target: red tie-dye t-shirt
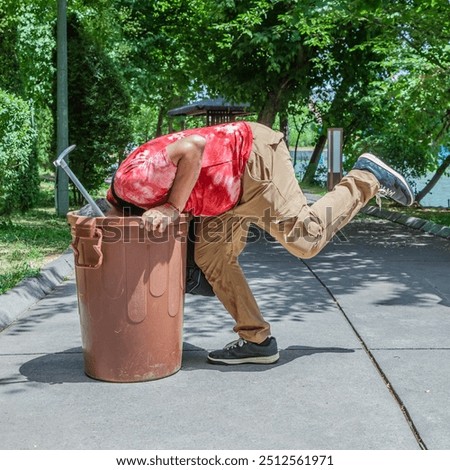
<point>145,177</point>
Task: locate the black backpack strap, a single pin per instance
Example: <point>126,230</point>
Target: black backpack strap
<point>196,282</point>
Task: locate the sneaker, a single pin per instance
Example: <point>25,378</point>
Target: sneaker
<point>392,184</point>
<point>245,352</point>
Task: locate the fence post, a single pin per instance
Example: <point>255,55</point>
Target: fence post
<point>335,140</point>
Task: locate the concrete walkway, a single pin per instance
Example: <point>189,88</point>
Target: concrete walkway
<point>363,331</point>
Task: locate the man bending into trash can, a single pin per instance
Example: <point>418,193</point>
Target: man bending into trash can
<point>232,174</point>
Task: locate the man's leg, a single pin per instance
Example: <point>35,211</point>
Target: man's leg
<point>306,234</point>
<point>220,241</point>
<point>272,194</point>
<point>273,200</point>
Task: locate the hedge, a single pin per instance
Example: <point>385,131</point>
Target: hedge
<point>19,178</point>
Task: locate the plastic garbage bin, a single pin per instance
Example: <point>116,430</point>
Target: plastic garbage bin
<point>130,286</point>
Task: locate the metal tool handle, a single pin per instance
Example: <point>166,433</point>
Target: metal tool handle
<point>60,162</point>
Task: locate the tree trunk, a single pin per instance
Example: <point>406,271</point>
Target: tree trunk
<point>284,127</point>
<point>310,172</point>
<point>269,110</point>
<point>274,100</point>
<point>296,149</point>
<point>439,172</point>
<point>159,124</point>
<point>299,133</point>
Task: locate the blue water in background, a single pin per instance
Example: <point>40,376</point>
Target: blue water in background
<point>438,197</point>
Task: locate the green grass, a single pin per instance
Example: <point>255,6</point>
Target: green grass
<point>30,240</point>
<point>438,215</point>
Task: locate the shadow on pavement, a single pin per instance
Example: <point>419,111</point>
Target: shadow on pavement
<point>68,367</point>
<point>56,303</point>
<point>196,359</point>
<point>403,268</point>
<point>63,367</point>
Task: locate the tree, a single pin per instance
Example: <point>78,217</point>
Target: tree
<point>413,99</point>
<point>378,69</point>
<point>157,43</point>
<point>345,76</point>
<point>260,52</point>
<point>432,183</point>
<point>99,108</point>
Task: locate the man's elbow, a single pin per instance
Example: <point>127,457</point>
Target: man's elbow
<point>194,147</point>
<point>197,141</point>
<point>189,149</point>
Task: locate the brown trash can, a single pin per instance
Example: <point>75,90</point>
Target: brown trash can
<point>130,285</point>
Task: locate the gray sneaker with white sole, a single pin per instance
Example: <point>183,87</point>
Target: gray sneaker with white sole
<point>245,352</point>
<point>392,184</point>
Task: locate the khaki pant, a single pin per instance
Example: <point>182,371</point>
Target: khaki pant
<point>273,200</point>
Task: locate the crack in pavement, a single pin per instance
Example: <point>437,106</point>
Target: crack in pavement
<point>377,366</point>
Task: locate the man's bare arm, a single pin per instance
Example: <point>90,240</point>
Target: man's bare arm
<point>187,155</point>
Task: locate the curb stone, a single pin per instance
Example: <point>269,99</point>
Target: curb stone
<point>444,232</point>
<point>17,301</point>
<point>409,221</point>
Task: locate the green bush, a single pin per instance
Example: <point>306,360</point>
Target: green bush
<point>27,46</point>
<point>19,179</point>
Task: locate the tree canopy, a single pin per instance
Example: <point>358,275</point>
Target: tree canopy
<point>378,69</point>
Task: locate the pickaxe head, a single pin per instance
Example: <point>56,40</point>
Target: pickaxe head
<point>63,154</point>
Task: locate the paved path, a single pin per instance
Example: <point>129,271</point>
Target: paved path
<point>363,330</point>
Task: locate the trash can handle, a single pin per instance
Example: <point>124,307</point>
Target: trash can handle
<point>97,248</point>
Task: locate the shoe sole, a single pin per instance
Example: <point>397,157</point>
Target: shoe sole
<point>247,360</point>
<point>379,162</point>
